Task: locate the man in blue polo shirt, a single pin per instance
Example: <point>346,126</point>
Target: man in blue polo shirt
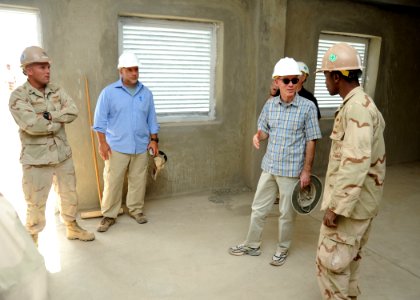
<point>290,124</point>
<point>126,126</point>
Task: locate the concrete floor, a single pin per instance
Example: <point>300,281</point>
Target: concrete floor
<point>182,252</point>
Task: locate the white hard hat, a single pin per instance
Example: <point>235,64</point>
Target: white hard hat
<point>127,60</point>
<point>303,67</point>
<point>285,67</point>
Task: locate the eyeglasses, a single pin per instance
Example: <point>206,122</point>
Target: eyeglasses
<point>287,80</point>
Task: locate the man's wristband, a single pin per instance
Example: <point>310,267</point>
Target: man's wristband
<point>155,140</point>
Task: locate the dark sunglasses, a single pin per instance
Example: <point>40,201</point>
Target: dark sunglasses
<point>287,80</point>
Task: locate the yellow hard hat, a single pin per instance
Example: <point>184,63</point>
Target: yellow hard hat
<point>341,57</point>
<point>33,54</point>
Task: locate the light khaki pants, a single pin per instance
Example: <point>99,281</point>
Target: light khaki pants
<point>116,167</point>
<point>268,187</point>
<point>36,183</point>
<point>338,257</point>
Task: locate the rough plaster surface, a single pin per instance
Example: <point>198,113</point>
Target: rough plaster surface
<point>82,39</point>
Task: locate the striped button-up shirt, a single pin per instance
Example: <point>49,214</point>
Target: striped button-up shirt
<point>289,126</point>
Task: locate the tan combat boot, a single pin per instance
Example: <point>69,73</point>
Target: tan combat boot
<point>35,238</point>
<point>75,232</point>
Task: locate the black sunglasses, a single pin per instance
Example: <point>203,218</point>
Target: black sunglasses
<point>287,80</point>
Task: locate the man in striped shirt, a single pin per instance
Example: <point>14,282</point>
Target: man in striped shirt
<point>290,124</point>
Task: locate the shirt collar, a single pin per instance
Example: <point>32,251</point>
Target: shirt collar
<point>121,85</point>
<point>352,92</point>
<point>295,102</point>
<point>49,88</point>
<point>348,97</point>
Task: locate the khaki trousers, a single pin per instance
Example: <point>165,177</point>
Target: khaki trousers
<point>268,187</point>
<point>116,167</point>
<point>36,183</point>
<point>338,257</point>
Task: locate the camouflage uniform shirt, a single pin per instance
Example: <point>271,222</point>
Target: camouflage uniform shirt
<point>44,142</point>
<point>356,168</point>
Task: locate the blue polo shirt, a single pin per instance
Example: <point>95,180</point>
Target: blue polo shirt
<point>126,119</point>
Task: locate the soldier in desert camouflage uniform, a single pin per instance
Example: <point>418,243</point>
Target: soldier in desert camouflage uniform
<point>355,176</point>
<point>41,111</point>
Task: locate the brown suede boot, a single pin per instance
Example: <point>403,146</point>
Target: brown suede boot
<point>106,222</point>
<point>75,232</point>
<point>140,218</point>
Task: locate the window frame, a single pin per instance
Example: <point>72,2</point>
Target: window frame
<point>370,62</point>
<point>214,28</point>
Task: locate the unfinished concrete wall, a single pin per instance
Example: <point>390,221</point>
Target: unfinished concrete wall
<point>395,94</point>
<point>82,39</point>
<point>269,34</point>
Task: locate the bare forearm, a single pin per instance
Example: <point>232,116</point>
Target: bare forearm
<point>101,137</point>
<point>104,149</point>
<point>309,156</point>
<point>305,175</point>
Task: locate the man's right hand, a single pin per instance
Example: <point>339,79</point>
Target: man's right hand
<point>104,150</point>
<point>256,139</point>
<point>259,136</point>
<point>330,218</point>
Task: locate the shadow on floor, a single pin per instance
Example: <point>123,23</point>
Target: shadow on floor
<point>182,252</point>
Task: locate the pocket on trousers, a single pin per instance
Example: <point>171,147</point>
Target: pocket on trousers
<point>336,251</point>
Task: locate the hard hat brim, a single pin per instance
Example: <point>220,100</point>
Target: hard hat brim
<point>304,201</point>
<point>38,61</point>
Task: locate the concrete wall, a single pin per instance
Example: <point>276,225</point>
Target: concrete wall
<point>269,34</point>
<point>395,96</point>
<point>82,39</point>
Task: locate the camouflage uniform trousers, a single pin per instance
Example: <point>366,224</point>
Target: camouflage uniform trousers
<point>37,181</point>
<point>135,165</point>
<point>338,257</point>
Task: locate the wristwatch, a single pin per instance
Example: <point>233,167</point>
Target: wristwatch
<point>155,140</point>
<point>46,115</point>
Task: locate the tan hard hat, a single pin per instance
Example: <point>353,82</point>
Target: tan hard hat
<point>341,57</point>
<point>32,55</point>
<point>305,200</point>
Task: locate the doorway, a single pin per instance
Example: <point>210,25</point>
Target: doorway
<point>20,29</point>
